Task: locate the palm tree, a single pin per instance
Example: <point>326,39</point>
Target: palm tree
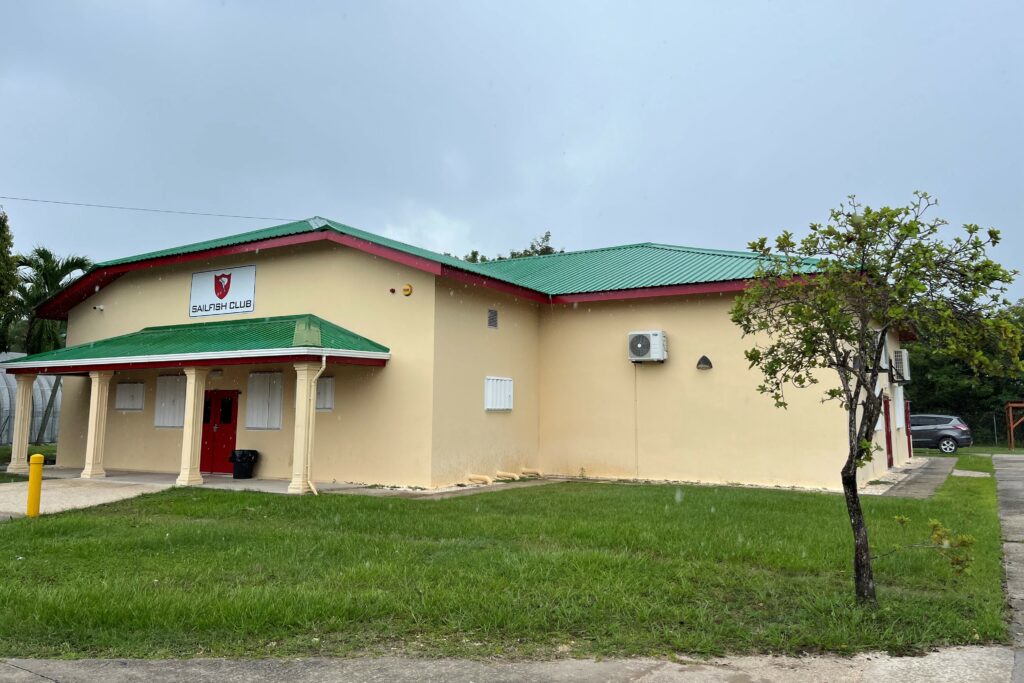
<point>41,274</point>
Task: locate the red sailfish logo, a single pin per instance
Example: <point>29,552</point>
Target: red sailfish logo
<point>221,285</point>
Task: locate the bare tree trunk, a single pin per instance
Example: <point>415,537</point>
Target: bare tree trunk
<point>41,434</point>
<point>863,578</point>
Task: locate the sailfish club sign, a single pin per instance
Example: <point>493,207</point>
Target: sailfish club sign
<point>222,292</point>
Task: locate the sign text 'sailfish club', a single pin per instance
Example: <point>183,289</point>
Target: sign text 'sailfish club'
<point>222,292</point>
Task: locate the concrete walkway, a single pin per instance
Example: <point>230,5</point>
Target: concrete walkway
<point>1010,486</point>
<point>963,665</point>
<point>923,482</point>
<point>69,494</point>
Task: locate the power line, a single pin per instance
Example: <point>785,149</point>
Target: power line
<point>137,208</point>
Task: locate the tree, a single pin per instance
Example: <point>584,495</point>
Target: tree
<point>828,301</point>
<point>42,274</point>
<point>8,279</point>
<point>539,246</point>
<point>949,386</point>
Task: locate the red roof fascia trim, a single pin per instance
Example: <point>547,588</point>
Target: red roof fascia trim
<point>57,308</point>
<point>507,288</point>
<point>417,262</point>
<point>258,360</point>
<point>652,292</point>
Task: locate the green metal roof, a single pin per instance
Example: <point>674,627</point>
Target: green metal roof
<point>211,338</point>
<point>630,266</point>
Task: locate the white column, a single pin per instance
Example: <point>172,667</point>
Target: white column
<point>22,424</point>
<point>305,423</point>
<point>192,434</point>
<point>99,391</point>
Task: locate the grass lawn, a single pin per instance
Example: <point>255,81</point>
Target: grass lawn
<point>970,450</point>
<point>564,569</point>
<point>47,449</point>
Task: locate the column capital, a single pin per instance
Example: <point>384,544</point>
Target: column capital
<point>23,378</point>
<point>101,375</point>
<point>199,372</point>
<point>307,368</point>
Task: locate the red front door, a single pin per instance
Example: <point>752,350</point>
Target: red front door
<point>888,434</point>
<point>220,415</point>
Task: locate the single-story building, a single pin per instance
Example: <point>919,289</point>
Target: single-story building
<point>340,355</point>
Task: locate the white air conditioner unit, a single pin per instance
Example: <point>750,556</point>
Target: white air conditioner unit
<point>646,347</point>
<point>900,367</point>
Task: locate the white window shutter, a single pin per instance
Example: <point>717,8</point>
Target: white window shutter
<point>498,393</point>
<point>325,393</point>
<point>263,400</point>
<point>170,401</point>
<point>131,396</point>
<point>899,406</point>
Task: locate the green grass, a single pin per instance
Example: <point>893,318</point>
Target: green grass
<point>976,463</point>
<point>584,569</point>
<point>970,450</point>
<point>47,449</point>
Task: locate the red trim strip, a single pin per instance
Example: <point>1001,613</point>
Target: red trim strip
<point>480,281</point>
<point>651,292</point>
<point>257,360</point>
<point>57,307</point>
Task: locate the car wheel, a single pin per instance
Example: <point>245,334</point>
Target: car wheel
<point>948,445</point>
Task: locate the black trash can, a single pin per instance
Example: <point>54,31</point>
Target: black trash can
<point>244,462</point>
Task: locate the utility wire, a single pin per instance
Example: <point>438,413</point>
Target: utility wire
<point>136,208</point>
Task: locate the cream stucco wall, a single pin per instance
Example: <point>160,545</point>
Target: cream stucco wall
<point>356,442</point>
<point>468,439</point>
<point>602,416</point>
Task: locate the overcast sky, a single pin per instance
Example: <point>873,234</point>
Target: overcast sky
<point>460,125</point>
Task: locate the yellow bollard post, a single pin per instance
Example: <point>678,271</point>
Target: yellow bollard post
<point>35,484</point>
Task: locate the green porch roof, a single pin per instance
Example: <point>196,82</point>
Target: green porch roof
<point>300,334</point>
<point>629,266</point>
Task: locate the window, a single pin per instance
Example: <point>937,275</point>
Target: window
<point>325,393</point>
<point>170,401</point>
<point>492,318</point>
<point>263,401</point>
<point>497,393</point>
<point>899,406</point>
<point>130,396</point>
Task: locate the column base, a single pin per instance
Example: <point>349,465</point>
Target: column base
<point>194,479</point>
<point>299,487</point>
<point>94,473</point>
<point>17,468</point>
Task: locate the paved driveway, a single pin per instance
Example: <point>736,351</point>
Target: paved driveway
<point>69,494</point>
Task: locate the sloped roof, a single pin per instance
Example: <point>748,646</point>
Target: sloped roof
<point>610,269</point>
<point>631,266</point>
<point>283,335</point>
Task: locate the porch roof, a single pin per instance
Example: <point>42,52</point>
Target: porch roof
<point>228,342</point>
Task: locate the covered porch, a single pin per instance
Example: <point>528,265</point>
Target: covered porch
<point>181,393</point>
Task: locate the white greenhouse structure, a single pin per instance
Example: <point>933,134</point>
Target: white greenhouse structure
<point>40,398</point>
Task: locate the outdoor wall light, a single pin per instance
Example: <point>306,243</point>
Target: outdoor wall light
<point>704,363</point>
